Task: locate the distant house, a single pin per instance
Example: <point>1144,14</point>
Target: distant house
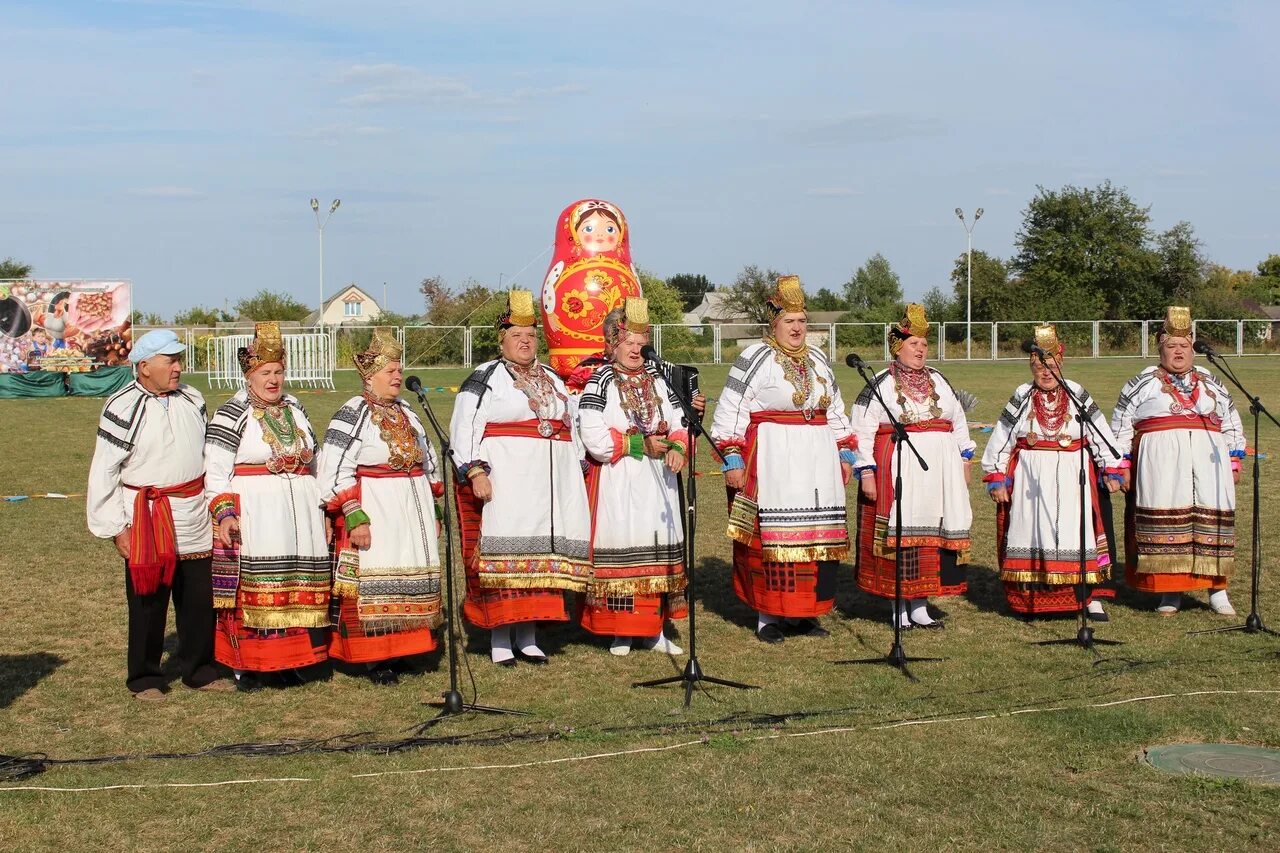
<point>350,305</point>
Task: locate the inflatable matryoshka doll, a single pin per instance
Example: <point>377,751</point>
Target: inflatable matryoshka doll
<point>590,274</point>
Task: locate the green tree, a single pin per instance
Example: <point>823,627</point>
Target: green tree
<point>827,300</point>
<point>691,287</point>
<point>1265,287</point>
<point>151,318</point>
<point>666,302</point>
<point>941,307</point>
<point>747,294</point>
<point>1180,276</point>
<point>201,316</point>
<point>270,305</point>
<point>1084,254</point>
<point>9,268</point>
<point>874,293</point>
<point>994,296</point>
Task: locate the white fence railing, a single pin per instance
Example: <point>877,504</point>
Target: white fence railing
<point>314,355</point>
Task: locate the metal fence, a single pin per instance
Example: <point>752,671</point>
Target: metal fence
<point>315,354</point>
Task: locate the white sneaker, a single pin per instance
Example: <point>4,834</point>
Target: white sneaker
<point>1170,603</point>
<point>662,643</point>
<point>1221,604</point>
<point>621,646</point>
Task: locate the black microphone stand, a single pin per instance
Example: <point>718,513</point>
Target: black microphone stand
<point>1084,637</point>
<point>452,704</point>
<point>896,657</point>
<point>692,674</point>
<point>1252,624</point>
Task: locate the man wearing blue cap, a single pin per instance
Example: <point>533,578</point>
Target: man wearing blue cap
<point>146,493</point>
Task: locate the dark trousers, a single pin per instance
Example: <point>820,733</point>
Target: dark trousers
<point>193,611</point>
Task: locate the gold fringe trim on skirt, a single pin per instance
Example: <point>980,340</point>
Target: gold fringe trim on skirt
<point>803,554</point>
<point>638,586</point>
<point>743,517</point>
<point>1056,578</point>
<point>270,620</point>
<point>1185,564</point>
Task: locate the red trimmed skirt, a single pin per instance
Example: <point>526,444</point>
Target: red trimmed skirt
<point>486,607</point>
<point>1037,598</point>
<point>924,574</point>
<point>632,615</point>
<point>254,650</point>
<point>351,644</point>
<point>789,590</point>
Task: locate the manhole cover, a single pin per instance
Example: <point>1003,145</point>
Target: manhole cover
<point>1221,760</point>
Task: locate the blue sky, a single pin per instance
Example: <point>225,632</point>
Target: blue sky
<point>178,143</point>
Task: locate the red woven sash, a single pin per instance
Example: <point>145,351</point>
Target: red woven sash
<point>526,429</point>
<point>386,472</point>
<point>934,425</point>
<point>1047,444</point>
<point>789,418</point>
<point>1208,423</point>
<point>244,469</point>
<point>153,547</point>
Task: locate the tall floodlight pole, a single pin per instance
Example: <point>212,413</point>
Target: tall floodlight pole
<point>968,309</point>
<point>320,223</point>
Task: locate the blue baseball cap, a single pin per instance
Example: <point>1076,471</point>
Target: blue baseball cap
<point>156,342</point>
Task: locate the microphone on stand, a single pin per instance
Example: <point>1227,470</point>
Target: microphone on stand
<point>414,384</point>
<point>855,361</point>
<point>1030,347</point>
<point>1204,349</point>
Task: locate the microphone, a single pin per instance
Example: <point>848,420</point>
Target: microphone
<point>648,353</point>
<point>1030,347</point>
<point>1204,349</point>
<point>855,361</point>
<point>414,384</point>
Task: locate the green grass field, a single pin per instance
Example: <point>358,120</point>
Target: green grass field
<point>1002,745</point>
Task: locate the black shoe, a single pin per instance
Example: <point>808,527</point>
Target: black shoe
<point>248,683</point>
<point>770,633</point>
<point>384,675</point>
<point>536,660</point>
<point>812,628</point>
<point>1099,617</point>
<point>935,625</point>
<point>508,663</point>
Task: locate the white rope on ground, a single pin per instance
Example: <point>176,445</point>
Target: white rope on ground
<point>546,762</point>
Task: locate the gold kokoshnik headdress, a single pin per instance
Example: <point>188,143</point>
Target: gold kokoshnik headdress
<point>1046,337</point>
<point>383,350</point>
<point>1177,323</point>
<point>632,316</point>
<point>520,311</point>
<point>267,347</point>
<point>787,298</point>
<point>913,325</point>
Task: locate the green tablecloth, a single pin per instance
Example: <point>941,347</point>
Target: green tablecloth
<point>102,382</point>
<point>41,383</point>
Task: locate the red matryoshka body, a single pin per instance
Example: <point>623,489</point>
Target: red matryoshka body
<point>590,274</point>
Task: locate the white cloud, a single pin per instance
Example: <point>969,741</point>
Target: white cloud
<point>171,193</point>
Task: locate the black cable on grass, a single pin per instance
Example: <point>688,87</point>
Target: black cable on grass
<point>17,767</point>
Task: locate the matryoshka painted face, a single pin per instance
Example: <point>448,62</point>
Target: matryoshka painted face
<point>598,233</point>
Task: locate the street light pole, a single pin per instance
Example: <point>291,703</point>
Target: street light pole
<point>320,223</point>
<point>968,309</point>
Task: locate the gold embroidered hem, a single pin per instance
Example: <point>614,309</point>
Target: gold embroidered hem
<point>1056,578</point>
<point>1182,564</point>
<point>271,620</point>
<point>743,516</point>
<point>880,549</point>
<point>803,554</point>
<point>638,586</point>
<point>395,624</point>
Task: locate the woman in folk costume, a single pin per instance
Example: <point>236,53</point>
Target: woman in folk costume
<point>631,426</point>
<point>936,514</point>
<point>1181,436</point>
<point>379,475</point>
<point>271,576</point>
<point>789,452</point>
<point>522,505</point>
<point>1032,467</point>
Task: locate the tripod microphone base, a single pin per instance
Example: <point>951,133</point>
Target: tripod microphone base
<point>1252,625</point>
<point>692,675</point>
<point>896,658</point>
<point>1084,639</point>
<point>454,706</point>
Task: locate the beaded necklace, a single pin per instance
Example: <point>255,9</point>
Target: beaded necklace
<point>281,434</point>
<point>534,383</point>
<point>918,386</point>
<point>1050,409</point>
<point>799,371</point>
<point>396,430</point>
<point>638,396</point>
